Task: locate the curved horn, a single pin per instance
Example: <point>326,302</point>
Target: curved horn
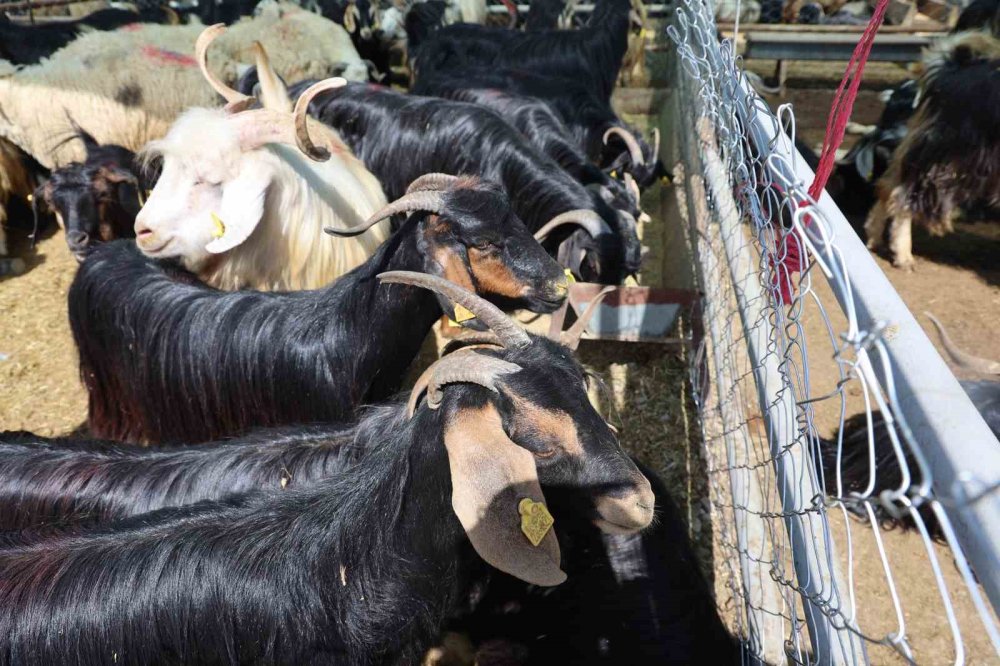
<point>508,332</point>
<point>477,339</point>
<point>961,358</point>
<point>432,202</point>
<point>467,367</point>
<point>633,188</point>
<point>205,39</point>
<point>634,151</point>
<point>301,119</point>
<point>656,143</point>
<point>588,219</point>
<point>430,182</point>
<point>571,337</point>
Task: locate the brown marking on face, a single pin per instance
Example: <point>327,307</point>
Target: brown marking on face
<point>452,266</point>
<point>493,275</point>
<point>550,428</point>
<point>490,475</point>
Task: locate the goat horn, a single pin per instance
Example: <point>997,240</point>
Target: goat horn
<point>301,118</point>
<point>633,188</point>
<point>478,339</point>
<point>592,223</point>
<point>463,366</point>
<point>634,151</point>
<point>431,182</point>
<point>206,37</point>
<point>571,337</point>
<point>508,332</point>
<point>961,358</point>
<point>656,143</point>
<point>429,201</point>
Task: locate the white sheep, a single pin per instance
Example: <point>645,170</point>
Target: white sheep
<point>242,207</point>
<point>126,87</point>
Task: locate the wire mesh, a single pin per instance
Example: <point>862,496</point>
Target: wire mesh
<point>830,516</point>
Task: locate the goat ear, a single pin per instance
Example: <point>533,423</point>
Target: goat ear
<point>242,206</point>
<point>490,478</point>
<point>117,174</point>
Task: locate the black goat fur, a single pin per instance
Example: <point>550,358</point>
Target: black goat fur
<point>53,482</point>
<point>586,116</point>
<point>29,44</point>
<point>593,54</point>
<point>97,199</point>
<point>166,359</point>
<point>359,568</point>
<point>951,155</point>
<point>637,599</point>
<point>399,137</point>
<point>855,466</point>
<point>536,120</point>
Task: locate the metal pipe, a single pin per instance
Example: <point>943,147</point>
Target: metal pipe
<point>815,559</point>
<point>961,449</point>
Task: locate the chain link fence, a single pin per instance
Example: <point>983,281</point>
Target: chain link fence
<point>853,484</point>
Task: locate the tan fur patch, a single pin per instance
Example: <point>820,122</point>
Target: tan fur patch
<point>493,275</point>
<point>556,429</point>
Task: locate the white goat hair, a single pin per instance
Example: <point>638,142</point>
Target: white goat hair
<point>127,87</point>
<point>243,209</point>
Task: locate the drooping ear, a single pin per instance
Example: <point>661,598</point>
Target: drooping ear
<point>491,476</point>
<point>242,206</point>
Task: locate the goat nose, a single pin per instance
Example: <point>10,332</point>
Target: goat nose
<point>77,238</point>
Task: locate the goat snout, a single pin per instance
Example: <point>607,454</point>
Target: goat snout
<point>626,512</point>
<point>77,240</point>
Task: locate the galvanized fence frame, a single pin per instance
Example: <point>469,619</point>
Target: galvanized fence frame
<point>744,196</point>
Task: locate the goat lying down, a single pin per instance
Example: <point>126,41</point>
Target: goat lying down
<point>359,568</point>
<point>166,359</point>
<point>950,157</point>
<point>47,483</point>
<point>244,195</point>
<point>401,136</point>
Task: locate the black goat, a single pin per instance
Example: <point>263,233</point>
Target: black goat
<point>950,157</point>
<point>166,359</point>
<point>592,54</point>
<point>869,158</point>
<point>357,569</point>
<point>545,15</point>
<point>628,599</point>
<point>94,201</point>
<point>545,130</point>
<point>399,137</point>
<point>28,44</point>
<point>856,455</point>
<point>56,482</point>
<point>50,483</point>
<point>595,127</point>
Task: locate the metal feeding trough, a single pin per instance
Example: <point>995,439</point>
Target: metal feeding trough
<point>632,314</point>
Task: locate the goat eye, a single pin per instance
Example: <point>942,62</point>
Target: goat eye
<point>544,453</point>
<point>487,246</point>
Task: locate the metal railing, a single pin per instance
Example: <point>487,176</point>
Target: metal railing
<point>827,413</point>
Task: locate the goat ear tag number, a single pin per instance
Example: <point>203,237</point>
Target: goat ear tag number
<point>462,314</point>
<point>536,521</point>
<point>219,230</point>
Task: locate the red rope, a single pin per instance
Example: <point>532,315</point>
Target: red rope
<point>790,251</point>
<point>843,103</point>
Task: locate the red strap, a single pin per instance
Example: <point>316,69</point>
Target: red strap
<point>843,102</point>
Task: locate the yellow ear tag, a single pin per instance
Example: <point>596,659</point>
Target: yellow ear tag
<point>220,228</point>
<point>614,174</point>
<point>30,197</point>
<point>569,276</point>
<point>462,314</point>
<point>536,521</point>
